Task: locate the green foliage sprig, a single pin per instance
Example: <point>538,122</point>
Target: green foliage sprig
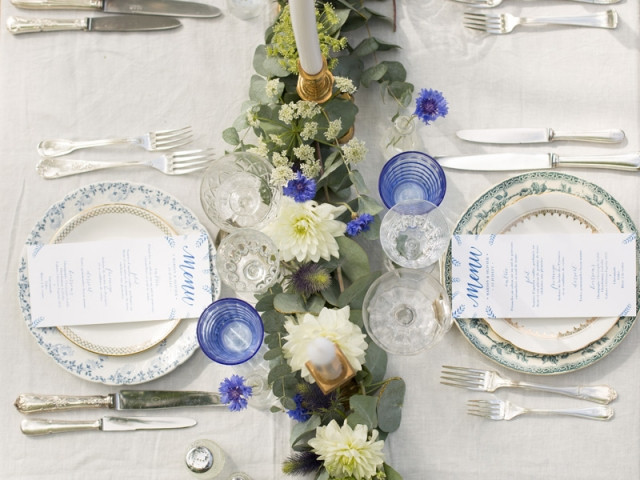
<point>297,136</point>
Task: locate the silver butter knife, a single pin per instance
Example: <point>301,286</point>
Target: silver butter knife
<point>123,400</point>
<point>172,8</point>
<point>39,426</point>
<point>538,135</point>
<point>539,161</point>
<point>122,23</point>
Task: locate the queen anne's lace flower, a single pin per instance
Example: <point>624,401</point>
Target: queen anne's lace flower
<point>304,152</point>
<point>333,130</point>
<point>347,452</point>
<point>306,231</point>
<point>345,85</point>
<point>354,151</point>
<point>331,324</point>
<point>281,175</point>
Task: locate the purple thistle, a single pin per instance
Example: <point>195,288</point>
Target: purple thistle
<point>234,392</point>
<point>359,224</point>
<point>300,188</point>
<point>430,105</point>
<point>310,278</point>
<point>300,414</point>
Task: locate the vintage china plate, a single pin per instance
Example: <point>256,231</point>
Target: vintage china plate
<point>542,202</point>
<point>115,220</point>
<point>176,346</point>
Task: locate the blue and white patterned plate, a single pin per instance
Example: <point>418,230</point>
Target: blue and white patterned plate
<point>569,198</point>
<point>140,367</point>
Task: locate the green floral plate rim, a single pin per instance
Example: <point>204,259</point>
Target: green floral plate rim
<point>476,217</point>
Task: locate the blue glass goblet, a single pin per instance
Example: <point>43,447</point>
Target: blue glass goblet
<point>411,176</point>
<point>230,331</point>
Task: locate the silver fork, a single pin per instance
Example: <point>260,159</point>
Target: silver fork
<point>176,163</point>
<point>490,381</point>
<point>495,3</point>
<point>160,140</point>
<point>504,410</point>
<point>498,24</point>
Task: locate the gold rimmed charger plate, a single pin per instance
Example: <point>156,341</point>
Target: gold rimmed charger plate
<point>110,221</point>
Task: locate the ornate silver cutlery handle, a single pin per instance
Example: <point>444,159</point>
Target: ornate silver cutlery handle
<point>18,25</point>
<point>30,403</point>
<point>45,427</point>
<point>51,168</point>
<point>596,393</point>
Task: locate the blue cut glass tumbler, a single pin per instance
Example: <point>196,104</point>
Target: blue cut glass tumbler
<point>230,331</point>
<point>412,176</point>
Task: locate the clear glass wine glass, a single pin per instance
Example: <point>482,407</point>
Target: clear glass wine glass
<point>236,193</point>
<point>406,311</point>
<point>248,261</point>
<point>414,234</point>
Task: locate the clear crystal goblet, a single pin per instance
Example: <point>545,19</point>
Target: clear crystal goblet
<point>236,193</point>
<point>248,261</point>
<point>414,234</point>
<point>406,311</point>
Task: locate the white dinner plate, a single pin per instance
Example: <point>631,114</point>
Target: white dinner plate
<point>544,202</point>
<point>115,220</point>
<point>70,219</point>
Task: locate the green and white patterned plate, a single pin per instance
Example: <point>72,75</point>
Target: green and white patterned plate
<point>527,198</point>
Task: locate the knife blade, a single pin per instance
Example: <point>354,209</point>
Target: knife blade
<point>171,8</point>
<point>122,23</point>
<point>538,135</point>
<point>535,161</point>
<point>40,426</point>
<point>123,400</point>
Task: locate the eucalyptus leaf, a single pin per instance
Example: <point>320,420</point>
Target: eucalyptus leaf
<point>273,321</point>
<point>373,74</point>
<point>265,302</point>
<point>368,205</point>
<point>323,474</point>
<point>376,361</point>
<point>267,66</point>
<point>278,371</point>
<point>395,72</point>
<point>230,135</point>
<point>302,428</point>
<point>315,304</point>
<point>358,181</point>
<point>401,91</point>
<point>354,295</point>
<point>355,261</point>
<point>286,388</point>
<point>365,407</point>
<point>390,401</point>
<point>343,16</point>
<point>331,294</point>
<point>289,303</point>
<point>273,354</point>
<point>355,317</point>
<point>390,473</point>
<point>366,47</point>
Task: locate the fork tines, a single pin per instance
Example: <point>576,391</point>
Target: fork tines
<point>484,408</point>
<point>462,377</point>
<point>481,21</point>
<point>168,139</point>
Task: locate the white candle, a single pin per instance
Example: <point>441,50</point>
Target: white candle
<point>323,356</point>
<point>303,19</point>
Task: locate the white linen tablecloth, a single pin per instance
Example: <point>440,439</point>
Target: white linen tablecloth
<point>89,85</point>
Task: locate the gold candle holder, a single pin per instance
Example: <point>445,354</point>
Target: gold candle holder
<point>326,384</point>
<point>315,88</point>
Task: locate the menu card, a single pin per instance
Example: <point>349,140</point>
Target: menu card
<point>119,280</point>
<point>529,276</point>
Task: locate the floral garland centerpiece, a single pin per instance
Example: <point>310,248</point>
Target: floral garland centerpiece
<point>315,157</point>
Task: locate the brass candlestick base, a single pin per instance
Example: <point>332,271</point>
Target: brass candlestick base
<point>327,386</point>
<point>315,88</point>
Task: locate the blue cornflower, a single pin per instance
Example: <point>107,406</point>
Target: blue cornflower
<point>234,392</point>
<point>359,224</point>
<point>430,105</point>
<point>300,188</point>
<point>300,414</point>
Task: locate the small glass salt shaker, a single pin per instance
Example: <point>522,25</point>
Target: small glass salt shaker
<point>204,459</point>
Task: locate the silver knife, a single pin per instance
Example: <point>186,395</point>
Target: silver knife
<point>539,161</point>
<point>122,23</point>
<point>124,400</point>
<point>171,8</point>
<point>39,426</point>
<point>538,135</point>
